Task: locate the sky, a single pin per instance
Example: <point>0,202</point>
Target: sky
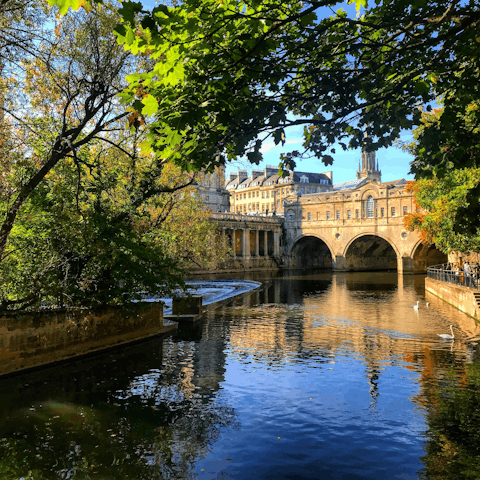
<point>393,162</point>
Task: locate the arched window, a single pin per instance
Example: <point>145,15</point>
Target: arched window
<point>370,207</point>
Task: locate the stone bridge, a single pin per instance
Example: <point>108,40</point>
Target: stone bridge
<point>351,230</point>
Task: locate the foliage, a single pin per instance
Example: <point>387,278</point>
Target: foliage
<point>85,241</point>
<point>88,217</point>
<point>446,209</point>
<point>452,451</point>
<point>228,75</point>
<point>448,190</point>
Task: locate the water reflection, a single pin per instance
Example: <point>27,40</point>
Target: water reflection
<point>312,376</point>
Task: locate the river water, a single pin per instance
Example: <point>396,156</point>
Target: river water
<point>314,375</point>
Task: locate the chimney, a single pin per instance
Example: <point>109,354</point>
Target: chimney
<point>256,173</point>
<point>270,170</point>
<point>242,175</point>
<point>329,175</point>
<point>232,177</point>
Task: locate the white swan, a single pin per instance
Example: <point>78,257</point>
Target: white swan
<point>416,306</point>
<point>446,336</point>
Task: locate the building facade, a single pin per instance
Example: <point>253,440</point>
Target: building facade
<point>264,191</point>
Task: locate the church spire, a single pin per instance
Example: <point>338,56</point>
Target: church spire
<point>369,165</point>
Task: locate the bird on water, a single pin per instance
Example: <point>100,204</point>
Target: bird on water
<point>446,336</point>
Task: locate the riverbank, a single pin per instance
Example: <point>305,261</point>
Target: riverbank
<point>34,340</point>
<point>458,296</point>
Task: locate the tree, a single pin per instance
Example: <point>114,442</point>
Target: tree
<point>69,90</point>
<point>447,165</point>
<point>83,204</point>
<point>229,75</point>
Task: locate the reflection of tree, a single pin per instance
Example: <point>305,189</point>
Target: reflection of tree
<point>454,436</point>
<point>120,419</point>
<point>62,440</point>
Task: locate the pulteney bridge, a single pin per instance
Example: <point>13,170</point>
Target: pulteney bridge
<point>353,229</point>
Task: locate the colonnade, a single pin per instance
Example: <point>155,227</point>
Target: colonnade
<point>253,243</point>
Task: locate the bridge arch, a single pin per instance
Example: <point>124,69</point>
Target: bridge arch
<point>425,256</point>
<point>370,251</point>
<point>311,251</point>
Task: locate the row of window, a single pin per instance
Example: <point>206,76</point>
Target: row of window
<point>255,207</point>
<point>357,213</point>
<point>284,191</point>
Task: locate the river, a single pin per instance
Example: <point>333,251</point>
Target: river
<point>314,375</point>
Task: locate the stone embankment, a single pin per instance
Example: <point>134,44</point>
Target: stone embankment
<point>37,339</point>
<point>458,296</point>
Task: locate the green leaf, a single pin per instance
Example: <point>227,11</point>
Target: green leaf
<point>422,87</point>
<point>64,5</point>
<point>150,105</point>
<point>129,9</point>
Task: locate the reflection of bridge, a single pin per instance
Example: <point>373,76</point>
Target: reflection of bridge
<point>349,230</point>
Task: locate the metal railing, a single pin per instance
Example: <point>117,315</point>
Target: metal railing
<point>461,278</point>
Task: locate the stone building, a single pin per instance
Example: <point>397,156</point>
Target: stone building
<point>349,226</point>
<point>212,192</point>
<point>264,191</point>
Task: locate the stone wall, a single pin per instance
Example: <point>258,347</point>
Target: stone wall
<point>32,340</point>
<point>460,297</point>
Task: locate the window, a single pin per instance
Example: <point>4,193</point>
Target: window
<point>370,207</point>
<point>249,207</point>
<point>268,194</point>
<point>308,190</point>
<point>382,212</point>
<point>357,214</point>
<point>309,216</point>
<point>349,214</point>
<point>249,195</point>
<point>302,191</point>
<point>244,195</point>
<point>290,215</point>
<point>263,194</point>
<point>258,193</point>
<point>314,190</point>
<point>328,215</point>
<point>338,214</point>
<point>278,203</point>
<point>393,211</point>
<point>405,210</point>
<point>237,197</point>
<point>304,179</point>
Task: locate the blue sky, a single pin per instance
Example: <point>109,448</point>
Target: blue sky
<point>394,163</point>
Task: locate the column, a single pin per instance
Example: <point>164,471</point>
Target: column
<point>276,244</point>
<point>246,243</point>
<point>257,243</point>
<point>265,243</point>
